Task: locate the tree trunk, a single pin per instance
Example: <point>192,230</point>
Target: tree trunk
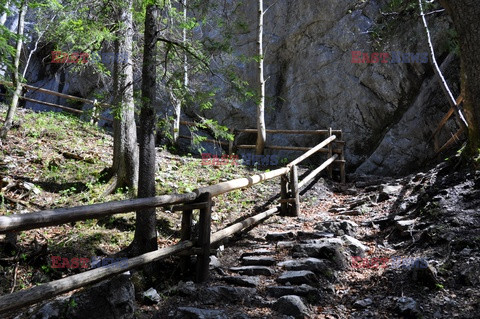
<point>177,102</point>
<point>145,239</point>
<point>16,72</point>
<point>465,15</point>
<point>261,129</point>
<point>125,150</point>
<point>3,17</point>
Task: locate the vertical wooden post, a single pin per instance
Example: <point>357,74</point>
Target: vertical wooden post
<point>231,143</point>
<point>342,159</point>
<point>283,195</point>
<point>203,258</point>
<point>295,208</point>
<point>186,234</point>
<point>330,154</point>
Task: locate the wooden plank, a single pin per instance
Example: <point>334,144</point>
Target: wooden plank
<point>238,183</point>
<point>252,130</point>
<point>235,228</point>
<point>203,259</point>
<point>54,288</point>
<point>317,170</point>
<point>65,96</point>
<point>65,215</point>
<point>312,151</point>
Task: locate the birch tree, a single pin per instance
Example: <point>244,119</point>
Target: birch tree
<point>17,84</point>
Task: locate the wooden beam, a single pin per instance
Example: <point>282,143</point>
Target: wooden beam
<point>317,170</point>
<point>252,130</point>
<point>312,151</point>
<point>330,153</point>
<point>186,234</point>
<point>65,96</point>
<point>238,183</point>
<point>54,288</point>
<point>205,221</point>
<point>69,109</point>
<point>65,215</point>
<point>235,228</point>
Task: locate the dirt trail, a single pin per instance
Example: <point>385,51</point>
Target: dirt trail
<point>400,232</point>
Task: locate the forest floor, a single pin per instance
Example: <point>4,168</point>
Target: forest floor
<point>53,160</point>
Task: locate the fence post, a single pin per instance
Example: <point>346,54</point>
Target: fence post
<point>295,208</point>
<point>342,160</point>
<point>186,234</point>
<point>330,154</point>
<point>203,258</point>
<point>283,195</point>
<point>231,144</point>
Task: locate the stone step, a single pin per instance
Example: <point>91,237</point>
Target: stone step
<point>253,270</point>
<point>258,261</point>
<point>297,277</point>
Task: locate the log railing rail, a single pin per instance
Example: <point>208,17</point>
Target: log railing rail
<point>200,199</point>
<point>455,137</point>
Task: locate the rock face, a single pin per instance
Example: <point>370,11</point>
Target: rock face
<point>386,111</point>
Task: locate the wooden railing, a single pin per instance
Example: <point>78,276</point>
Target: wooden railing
<point>200,199</point>
<point>455,137</point>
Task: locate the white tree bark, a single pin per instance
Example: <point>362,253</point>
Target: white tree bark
<point>261,129</point>
<point>16,72</point>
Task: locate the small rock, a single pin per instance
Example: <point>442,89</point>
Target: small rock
<point>242,281</point>
<point>355,246</point>
<point>391,190</point>
<point>191,312</point>
<point>291,305</point>
<point>285,244</point>
<point>297,277</point>
<point>408,307</point>
<point>405,224</point>
<point>187,289</point>
<point>151,297</point>
<point>258,261</point>
<point>382,197</point>
<point>302,290</point>
<point>362,304</point>
<point>214,262</point>
<point>279,236</point>
<point>253,270</point>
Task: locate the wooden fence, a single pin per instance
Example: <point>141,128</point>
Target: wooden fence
<point>200,199</point>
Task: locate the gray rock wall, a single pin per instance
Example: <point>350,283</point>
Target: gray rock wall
<point>386,111</point>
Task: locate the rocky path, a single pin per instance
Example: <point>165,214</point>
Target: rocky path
<point>378,248</point>
<point>302,267</point>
